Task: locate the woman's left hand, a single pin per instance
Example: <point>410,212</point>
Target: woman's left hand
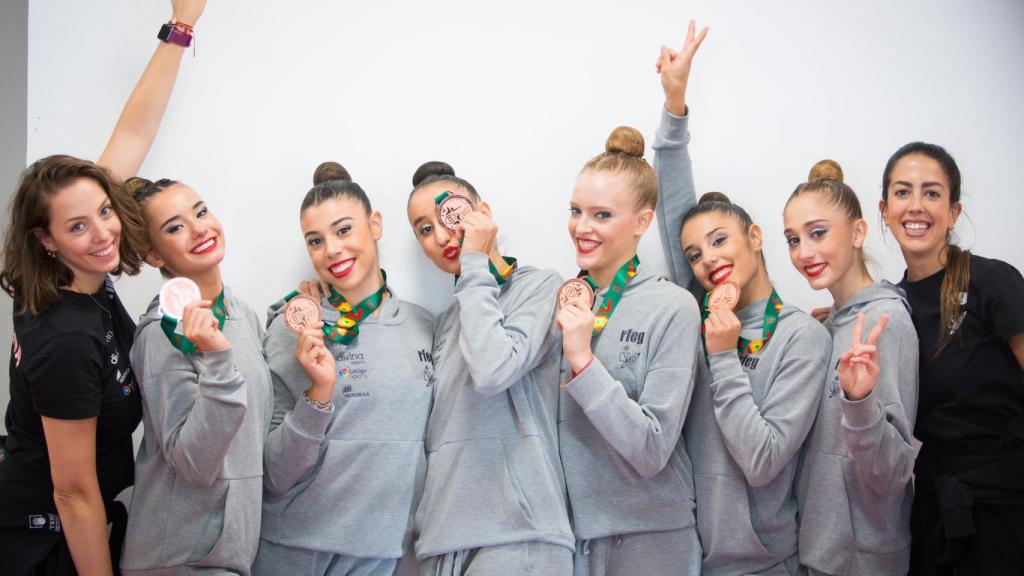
<point>721,331</point>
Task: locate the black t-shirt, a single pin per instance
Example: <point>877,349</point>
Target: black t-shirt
<point>70,363</point>
<point>971,398</point>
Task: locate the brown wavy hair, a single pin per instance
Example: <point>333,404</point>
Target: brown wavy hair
<point>29,276</point>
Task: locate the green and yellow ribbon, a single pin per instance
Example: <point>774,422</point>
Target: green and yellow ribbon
<point>614,294</point>
<point>347,328</point>
<point>771,319</point>
<point>170,326</point>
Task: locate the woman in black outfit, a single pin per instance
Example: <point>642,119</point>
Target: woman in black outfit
<point>968,515</point>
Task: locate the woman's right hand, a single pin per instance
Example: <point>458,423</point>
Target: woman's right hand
<point>187,11</point>
<point>202,329</point>
<point>317,361</point>
<point>674,68</point>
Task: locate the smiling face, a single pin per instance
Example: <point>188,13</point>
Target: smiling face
<point>718,249</point>
<point>823,242</point>
<point>605,224</point>
<point>341,239</point>
<point>84,231</point>
<point>186,238</point>
<point>918,207</point>
<point>440,245</point>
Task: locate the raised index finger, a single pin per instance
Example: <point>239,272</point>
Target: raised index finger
<point>877,330</point>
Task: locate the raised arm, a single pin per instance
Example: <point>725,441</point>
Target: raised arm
<point>672,157</point>
<point>137,127</point>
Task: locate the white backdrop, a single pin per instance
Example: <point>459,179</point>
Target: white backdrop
<point>518,95</point>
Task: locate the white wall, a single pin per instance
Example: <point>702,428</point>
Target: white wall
<point>518,95</point>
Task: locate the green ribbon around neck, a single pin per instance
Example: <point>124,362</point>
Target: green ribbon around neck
<point>347,328</point>
<point>611,299</point>
<point>771,319</point>
<point>170,326</point>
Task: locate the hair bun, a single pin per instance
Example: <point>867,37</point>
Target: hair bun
<point>826,170</point>
<point>714,197</point>
<point>432,168</point>
<point>330,171</point>
<point>136,184</point>
<point>625,140</point>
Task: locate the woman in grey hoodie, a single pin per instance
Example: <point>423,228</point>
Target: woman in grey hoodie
<point>206,405</point>
<point>351,399</point>
<point>756,397</point>
<point>631,355</point>
<point>494,499</point>
<point>854,486</point>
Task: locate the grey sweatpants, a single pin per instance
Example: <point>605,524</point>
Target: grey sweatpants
<point>278,560</point>
<point>674,552</point>
<point>534,558</point>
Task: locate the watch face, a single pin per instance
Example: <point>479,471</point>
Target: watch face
<point>164,33</point>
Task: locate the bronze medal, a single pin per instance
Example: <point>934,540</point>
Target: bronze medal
<point>302,312</point>
<point>724,296</point>
<point>175,294</point>
<point>576,290</point>
<point>451,210</point>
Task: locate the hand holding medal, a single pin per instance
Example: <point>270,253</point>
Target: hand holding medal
<point>202,328</point>
<point>576,290</point>
<point>317,361</point>
<point>576,321</point>
<point>722,327</point>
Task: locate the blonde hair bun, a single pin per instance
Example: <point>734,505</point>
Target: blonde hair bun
<point>826,170</point>
<point>625,140</point>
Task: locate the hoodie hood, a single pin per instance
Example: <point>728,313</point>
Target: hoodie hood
<point>859,302</point>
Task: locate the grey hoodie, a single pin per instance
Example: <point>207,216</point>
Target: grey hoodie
<point>348,482</point>
<point>199,471</point>
<point>493,474</point>
<point>854,487</point>
<point>750,413</point>
<point>620,419</point>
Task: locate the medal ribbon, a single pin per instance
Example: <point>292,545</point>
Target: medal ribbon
<point>771,318</point>
<point>347,327</point>
<point>500,276</point>
<point>614,294</point>
<point>170,326</point>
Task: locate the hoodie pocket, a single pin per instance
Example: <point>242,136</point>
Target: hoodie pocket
<point>231,537</point>
<point>881,524</point>
<point>826,529</point>
<point>724,522</point>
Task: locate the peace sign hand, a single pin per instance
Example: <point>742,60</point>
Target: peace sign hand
<point>674,68</point>
<point>858,366</point>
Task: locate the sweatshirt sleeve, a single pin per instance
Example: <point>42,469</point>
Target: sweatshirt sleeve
<point>764,439</point>
<point>196,407</point>
<point>677,194</point>
<point>645,431</point>
<point>297,430</point>
<point>878,428</point>
<point>500,349</point>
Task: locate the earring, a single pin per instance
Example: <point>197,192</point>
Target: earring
<point>51,253</point>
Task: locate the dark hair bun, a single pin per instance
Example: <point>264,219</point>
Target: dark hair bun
<point>432,168</point>
<point>714,197</point>
<point>330,171</point>
<point>826,170</point>
<point>625,140</point>
<point>135,184</point>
